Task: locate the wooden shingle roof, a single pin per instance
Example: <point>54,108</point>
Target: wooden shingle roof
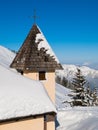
<point>35,54</point>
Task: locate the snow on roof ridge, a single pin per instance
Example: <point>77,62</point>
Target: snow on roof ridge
<point>20,96</point>
<point>45,44</point>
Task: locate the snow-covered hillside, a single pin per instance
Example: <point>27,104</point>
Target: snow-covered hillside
<point>69,71</point>
<point>62,96</point>
<point>6,56</point>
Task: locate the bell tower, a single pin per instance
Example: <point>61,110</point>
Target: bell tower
<point>36,60</point>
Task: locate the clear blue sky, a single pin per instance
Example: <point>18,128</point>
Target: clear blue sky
<point>70,26</point>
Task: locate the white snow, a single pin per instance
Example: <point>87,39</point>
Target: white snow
<point>62,97</point>
<point>16,94</point>
<point>74,118</point>
<point>44,44</point>
<point>20,96</point>
<point>78,118</point>
<point>6,56</point>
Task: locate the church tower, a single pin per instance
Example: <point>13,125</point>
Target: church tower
<point>36,60</point>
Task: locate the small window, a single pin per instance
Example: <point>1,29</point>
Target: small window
<point>42,75</point>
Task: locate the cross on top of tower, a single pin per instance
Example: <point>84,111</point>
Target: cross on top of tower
<point>34,16</point>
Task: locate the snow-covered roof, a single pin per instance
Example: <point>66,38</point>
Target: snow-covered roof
<point>44,44</point>
<point>6,56</point>
<point>20,96</point>
<point>35,54</point>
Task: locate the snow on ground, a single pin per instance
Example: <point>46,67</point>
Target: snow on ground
<point>20,96</point>
<point>78,118</point>
<point>74,118</point>
<point>62,96</point>
<point>6,56</point>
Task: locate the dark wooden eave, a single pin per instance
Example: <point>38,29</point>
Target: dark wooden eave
<point>26,117</point>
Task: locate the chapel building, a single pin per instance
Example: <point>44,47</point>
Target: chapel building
<point>36,60</point>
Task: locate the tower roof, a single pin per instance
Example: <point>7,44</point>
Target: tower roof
<point>35,54</point>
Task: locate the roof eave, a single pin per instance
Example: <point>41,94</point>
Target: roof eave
<point>26,117</point>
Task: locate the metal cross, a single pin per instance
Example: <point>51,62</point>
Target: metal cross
<point>34,16</point>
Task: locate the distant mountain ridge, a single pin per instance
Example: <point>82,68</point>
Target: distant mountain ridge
<point>69,71</point>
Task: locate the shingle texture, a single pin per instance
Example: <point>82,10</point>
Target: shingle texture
<point>34,54</point>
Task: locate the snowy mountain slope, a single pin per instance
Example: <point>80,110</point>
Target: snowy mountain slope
<point>6,56</point>
<point>69,71</point>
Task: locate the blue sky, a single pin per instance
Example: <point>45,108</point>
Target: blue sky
<point>70,26</point>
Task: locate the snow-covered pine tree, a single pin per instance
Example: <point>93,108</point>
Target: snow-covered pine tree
<point>64,82</point>
<point>78,83</point>
<point>83,94</point>
<point>88,95</point>
<point>95,97</point>
<point>91,96</point>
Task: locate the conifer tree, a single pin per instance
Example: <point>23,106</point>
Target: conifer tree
<point>64,82</point>
<point>78,83</point>
<point>95,98</point>
<point>83,95</point>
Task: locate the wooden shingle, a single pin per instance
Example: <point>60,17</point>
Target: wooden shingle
<point>30,58</point>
